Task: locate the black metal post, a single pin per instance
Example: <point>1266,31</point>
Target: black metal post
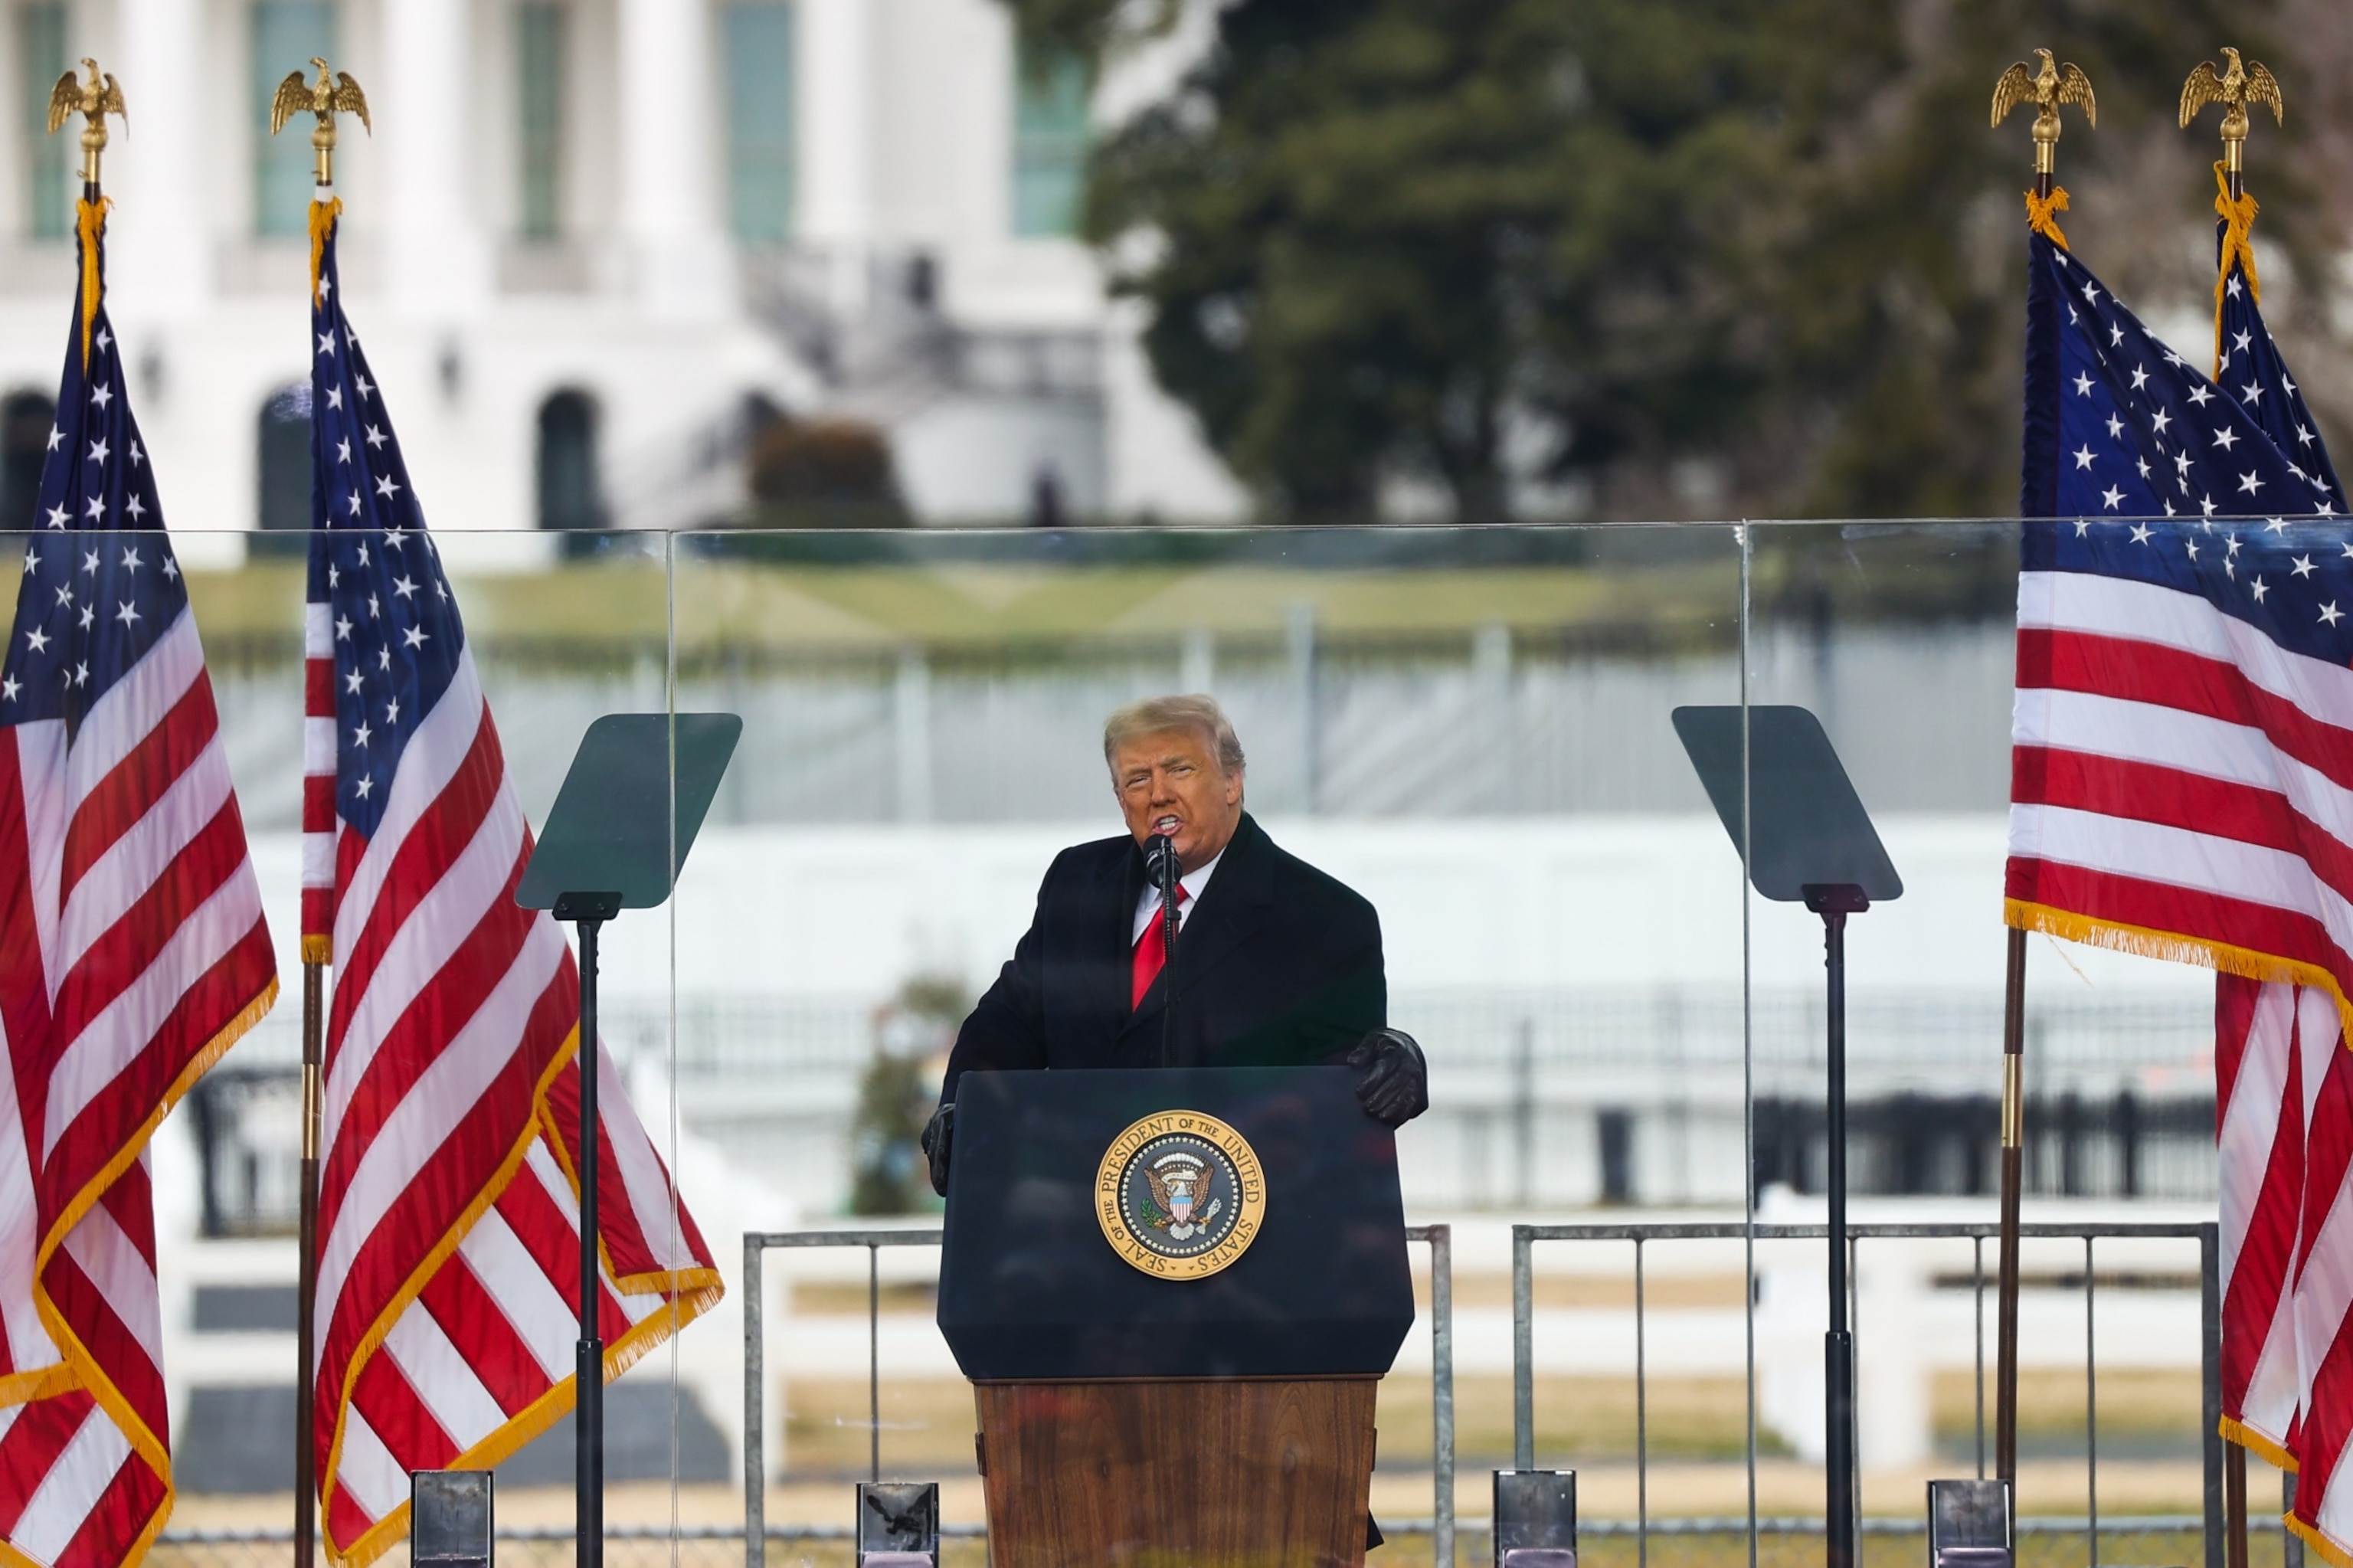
<point>1172,877</point>
<point>1834,903</point>
<point>306,1285</point>
<point>588,1367</point>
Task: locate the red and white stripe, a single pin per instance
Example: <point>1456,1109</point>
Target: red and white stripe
<point>482,1359</point>
<point>133,952</point>
<point>2324,1283</point>
<point>448,1261</point>
<point>318,784</point>
<point>2259,1133</point>
<point>2180,784</point>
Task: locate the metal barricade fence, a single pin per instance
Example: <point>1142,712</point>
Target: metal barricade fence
<point>2208,1526</point>
<point>1783,1543</point>
<point>2043,1541</point>
<point>757,1244</point>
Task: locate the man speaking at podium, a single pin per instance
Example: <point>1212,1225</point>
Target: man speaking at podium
<point>1276,964</point>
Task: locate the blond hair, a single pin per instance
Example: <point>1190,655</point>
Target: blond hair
<point>1157,716</point>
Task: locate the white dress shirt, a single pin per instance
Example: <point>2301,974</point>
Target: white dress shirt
<point>1147,906</point>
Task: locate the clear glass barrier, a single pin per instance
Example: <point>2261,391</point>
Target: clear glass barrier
<point>1900,637</point>
<point>1469,727</point>
<point>1472,728</point>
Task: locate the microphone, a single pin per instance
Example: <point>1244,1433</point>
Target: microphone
<point>1160,861</point>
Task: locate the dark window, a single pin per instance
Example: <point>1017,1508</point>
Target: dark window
<point>570,497</point>
<point>233,1439</point>
<point>538,93</point>
<point>47,160</point>
<point>283,491</point>
<point>1050,89</point>
<point>760,121</point>
<point>246,1308</point>
<point>25,420</point>
<point>285,34</point>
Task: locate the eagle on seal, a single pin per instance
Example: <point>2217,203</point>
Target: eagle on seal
<point>1178,1195</point>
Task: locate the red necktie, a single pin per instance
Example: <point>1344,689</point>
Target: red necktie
<point>1152,951</point>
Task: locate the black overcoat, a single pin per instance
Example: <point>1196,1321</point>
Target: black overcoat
<point>1280,965</point>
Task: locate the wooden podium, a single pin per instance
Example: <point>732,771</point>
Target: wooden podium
<point>1129,1415</point>
<point>1178,1470</point>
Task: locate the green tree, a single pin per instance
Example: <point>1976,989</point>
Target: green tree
<point>896,1094</point>
<point>1617,240</point>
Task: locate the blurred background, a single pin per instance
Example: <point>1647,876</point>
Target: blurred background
<point>1524,303</point>
<point>633,264</point>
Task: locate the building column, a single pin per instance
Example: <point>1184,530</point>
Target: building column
<point>437,251</point>
<point>670,101</point>
<point>834,212</point>
<point>836,71</point>
<point>160,259</point>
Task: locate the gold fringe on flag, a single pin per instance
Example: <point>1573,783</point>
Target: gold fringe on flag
<point>2328,1550</point>
<point>322,224</point>
<point>2174,947</point>
<point>2043,215</point>
<point>2238,227</point>
<point>693,1292</point>
<point>2255,1443</point>
<point>91,224</point>
<point>2238,245</point>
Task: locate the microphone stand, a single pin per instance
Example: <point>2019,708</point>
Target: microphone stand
<point>1165,864</point>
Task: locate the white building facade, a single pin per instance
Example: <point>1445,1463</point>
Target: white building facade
<point>592,244</point>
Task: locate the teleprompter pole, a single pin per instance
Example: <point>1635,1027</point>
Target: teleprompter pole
<point>306,1288</point>
<point>1778,785</point>
<point>632,803</point>
<point>588,1367</point>
<point>1834,903</point>
<point>2014,1176</point>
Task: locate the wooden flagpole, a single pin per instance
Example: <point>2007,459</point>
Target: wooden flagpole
<point>2234,89</point>
<point>306,1290</point>
<point>296,95</point>
<point>2046,88</point>
<point>2013,1174</point>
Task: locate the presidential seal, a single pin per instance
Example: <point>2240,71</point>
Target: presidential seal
<point>1180,1195</point>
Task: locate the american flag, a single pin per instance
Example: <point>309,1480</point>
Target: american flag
<point>133,953</point>
<point>2247,362</point>
<point>2183,784</point>
<point>2282,1326</point>
<point>448,1263</point>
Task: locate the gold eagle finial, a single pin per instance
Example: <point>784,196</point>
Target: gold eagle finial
<point>2233,89</point>
<point>334,92</point>
<point>93,99</point>
<point>2046,90</point>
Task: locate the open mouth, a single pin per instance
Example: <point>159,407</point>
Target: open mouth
<point>1166,826</point>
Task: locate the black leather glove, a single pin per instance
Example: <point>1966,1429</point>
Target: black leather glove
<point>1395,1088</point>
<point>937,1132</point>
